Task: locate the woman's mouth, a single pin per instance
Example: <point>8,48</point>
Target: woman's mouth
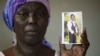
<point>32,32</point>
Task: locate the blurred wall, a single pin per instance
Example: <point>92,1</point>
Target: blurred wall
<point>5,34</point>
<point>91,19</point>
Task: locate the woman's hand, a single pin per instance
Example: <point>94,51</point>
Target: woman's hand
<point>77,49</point>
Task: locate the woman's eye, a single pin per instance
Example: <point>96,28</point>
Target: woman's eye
<point>25,14</point>
<point>41,15</point>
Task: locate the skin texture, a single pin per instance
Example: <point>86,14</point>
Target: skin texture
<point>30,25</point>
<point>77,49</point>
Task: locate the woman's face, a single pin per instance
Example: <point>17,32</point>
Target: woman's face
<point>30,22</point>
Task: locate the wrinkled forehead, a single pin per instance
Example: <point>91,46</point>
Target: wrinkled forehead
<point>32,6</point>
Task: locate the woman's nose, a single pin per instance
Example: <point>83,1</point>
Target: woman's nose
<point>31,19</point>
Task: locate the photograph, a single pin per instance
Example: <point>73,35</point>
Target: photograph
<point>72,26</point>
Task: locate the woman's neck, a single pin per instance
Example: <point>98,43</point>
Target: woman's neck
<point>22,49</point>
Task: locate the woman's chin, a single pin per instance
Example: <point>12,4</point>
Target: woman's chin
<point>33,40</point>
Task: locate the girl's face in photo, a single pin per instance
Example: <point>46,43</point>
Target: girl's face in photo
<point>30,22</point>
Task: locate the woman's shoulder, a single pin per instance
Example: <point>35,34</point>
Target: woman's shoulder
<point>8,52</point>
<point>48,52</point>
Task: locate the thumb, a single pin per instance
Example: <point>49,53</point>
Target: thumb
<point>61,46</point>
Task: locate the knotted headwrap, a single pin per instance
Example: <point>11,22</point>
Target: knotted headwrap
<point>12,6</point>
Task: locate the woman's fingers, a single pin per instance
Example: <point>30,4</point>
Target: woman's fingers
<point>62,46</point>
<point>84,41</point>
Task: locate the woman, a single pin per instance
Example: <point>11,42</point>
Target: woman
<point>29,20</point>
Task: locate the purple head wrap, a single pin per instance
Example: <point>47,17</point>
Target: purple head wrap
<point>12,6</point>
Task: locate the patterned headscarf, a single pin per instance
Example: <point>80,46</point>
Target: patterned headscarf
<point>12,6</point>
